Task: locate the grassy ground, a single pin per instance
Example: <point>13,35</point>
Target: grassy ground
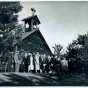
<point>31,79</point>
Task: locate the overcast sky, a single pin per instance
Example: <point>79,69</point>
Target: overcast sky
<point>61,21</point>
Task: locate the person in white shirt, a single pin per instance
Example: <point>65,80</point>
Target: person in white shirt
<point>64,64</point>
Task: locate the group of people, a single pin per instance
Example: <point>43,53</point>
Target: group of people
<point>24,61</point>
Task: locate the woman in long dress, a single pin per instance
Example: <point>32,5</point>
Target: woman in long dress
<point>30,61</point>
<point>37,65</point>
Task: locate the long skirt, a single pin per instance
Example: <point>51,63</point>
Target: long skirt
<point>17,66</point>
<point>31,66</point>
<point>37,66</point>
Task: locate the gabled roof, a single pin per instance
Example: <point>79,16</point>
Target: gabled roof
<point>24,35</point>
<point>37,31</point>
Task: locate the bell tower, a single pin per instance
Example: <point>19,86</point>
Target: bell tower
<point>32,21</point>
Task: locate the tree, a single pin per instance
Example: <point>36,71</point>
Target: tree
<point>72,49</point>
<point>8,15</point>
<point>78,48</point>
<point>58,50</point>
<point>8,23</point>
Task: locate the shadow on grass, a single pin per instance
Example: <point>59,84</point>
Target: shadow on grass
<point>37,80</point>
<point>43,80</point>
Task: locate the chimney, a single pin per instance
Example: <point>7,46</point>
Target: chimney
<point>33,11</point>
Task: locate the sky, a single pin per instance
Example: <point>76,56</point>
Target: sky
<point>61,21</point>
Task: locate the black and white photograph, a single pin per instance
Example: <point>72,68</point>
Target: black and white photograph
<point>43,43</point>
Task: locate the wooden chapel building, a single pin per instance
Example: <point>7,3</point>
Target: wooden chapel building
<point>32,38</point>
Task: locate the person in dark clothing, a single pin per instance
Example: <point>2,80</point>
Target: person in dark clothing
<point>9,63</point>
<point>58,65</point>
<point>13,63</point>
<point>53,62</point>
<point>48,64</point>
<point>33,55</point>
<point>69,66</point>
<point>22,69</point>
<point>1,58</point>
<point>41,61</point>
<point>25,63</point>
<point>79,66</point>
<point>72,66</point>
<point>22,56</point>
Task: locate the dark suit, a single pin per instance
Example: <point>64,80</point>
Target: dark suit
<point>28,57</point>
<point>22,61</point>
<point>41,61</point>
<point>9,63</point>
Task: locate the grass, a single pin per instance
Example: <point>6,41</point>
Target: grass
<point>32,79</point>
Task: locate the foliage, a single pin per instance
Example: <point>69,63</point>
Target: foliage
<point>8,23</point>
<point>78,49</point>
<point>58,50</point>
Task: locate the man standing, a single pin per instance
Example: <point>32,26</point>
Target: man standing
<point>9,62</point>
<point>22,56</point>
<point>1,58</point>
<point>41,61</point>
<point>25,62</point>
<point>17,61</point>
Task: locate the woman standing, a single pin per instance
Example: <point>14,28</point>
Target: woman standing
<point>37,66</point>
<point>30,62</point>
